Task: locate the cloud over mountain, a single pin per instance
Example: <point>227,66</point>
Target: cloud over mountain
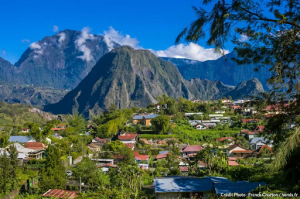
<point>118,37</point>
<point>62,37</point>
<point>80,44</point>
<point>190,51</point>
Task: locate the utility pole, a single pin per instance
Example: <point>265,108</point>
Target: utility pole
<point>80,184</point>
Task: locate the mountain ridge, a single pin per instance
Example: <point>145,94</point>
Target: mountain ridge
<point>128,77</point>
<point>223,68</point>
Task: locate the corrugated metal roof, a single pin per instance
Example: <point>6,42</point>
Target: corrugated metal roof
<point>218,179</point>
<point>139,117</point>
<point>21,139</point>
<point>60,193</point>
<point>242,187</point>
<point>177,184</point>
<point>258,139</point>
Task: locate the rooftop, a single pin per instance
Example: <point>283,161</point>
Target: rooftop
<point>60,193</point>
<point>183,184</point>
<point>139,117</point>
<point>127,136</point>
<point>238,187</point>
<point>35,145</point>
<point>192,148</point>
<point>21,139</point>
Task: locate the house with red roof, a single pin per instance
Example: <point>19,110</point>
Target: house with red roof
<point>276,108</point>
<point>229,139</point>
<point>35,145</point>
<point>61,126</point>
<point>105,167</point>
<point>233,163</point>
<point>161,156</point>
<point>251,135</point>
<point>258,151</point>
<point>127,137</point>
<point>244,131</point>
<point>25,130</point>
<point>60,193</point>
<point>140,158</point>
<point>191,149</point>
<point>184,170</point>
<point>259,129</point>
<point>94,147</point>
<point>237,151</point>
<point>130,145</point>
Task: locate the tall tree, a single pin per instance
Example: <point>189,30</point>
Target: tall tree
<point>161,123</point>
<point>77,121</point>
<point>53,174</point>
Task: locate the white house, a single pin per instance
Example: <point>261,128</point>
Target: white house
<point>237,151</point>
<point>215,116</point>
<point>257,142</point>
<point>200,126</point>
<point>190,114</point>
<point>127,138</point>
<point>219,111</point>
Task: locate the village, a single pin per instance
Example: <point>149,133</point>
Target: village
<point>182,156</point>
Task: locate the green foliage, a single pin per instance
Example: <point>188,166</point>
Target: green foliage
<point>185,133</point>
<point>114,146</point>
<point>4,137</point>
<point>161,124</point>
<point>77,121</point>
<point>240,140</point>
<point>15,115</point>
<point>53,174</point>
<point>87,170</point>
<point>111,121</point>
<point>8,171</point>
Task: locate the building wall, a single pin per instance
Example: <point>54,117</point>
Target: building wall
<point>230,154</point>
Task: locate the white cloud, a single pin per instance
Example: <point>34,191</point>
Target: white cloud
<point>36,48</point>
<point>118,37</point>
<point>4,52</point>
<point>24,41</point>
<point>62,37</point>
<point>243,38</point>
<point>55,28</point>
<point>80,44</point>
<point>35,45</point>
<point>190,51</point>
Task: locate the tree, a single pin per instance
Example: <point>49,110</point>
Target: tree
<point>240,140</point>
<point>35,132</point>
<point>272,29</point>
<point>161,123</point>
<point>114,146</point>
<point>77,121</point>
<point>4,140</point>
<point>13,155</point>
<point>53,174</point>
<point>87,170</point>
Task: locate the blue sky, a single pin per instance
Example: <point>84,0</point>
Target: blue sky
<point>154,24</point>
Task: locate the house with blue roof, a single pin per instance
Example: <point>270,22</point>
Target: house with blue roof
<point>257,142</point>
<point>182,187</point>
<point>20,139</point>
<point>186,187</point>
<point>144,119</point>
